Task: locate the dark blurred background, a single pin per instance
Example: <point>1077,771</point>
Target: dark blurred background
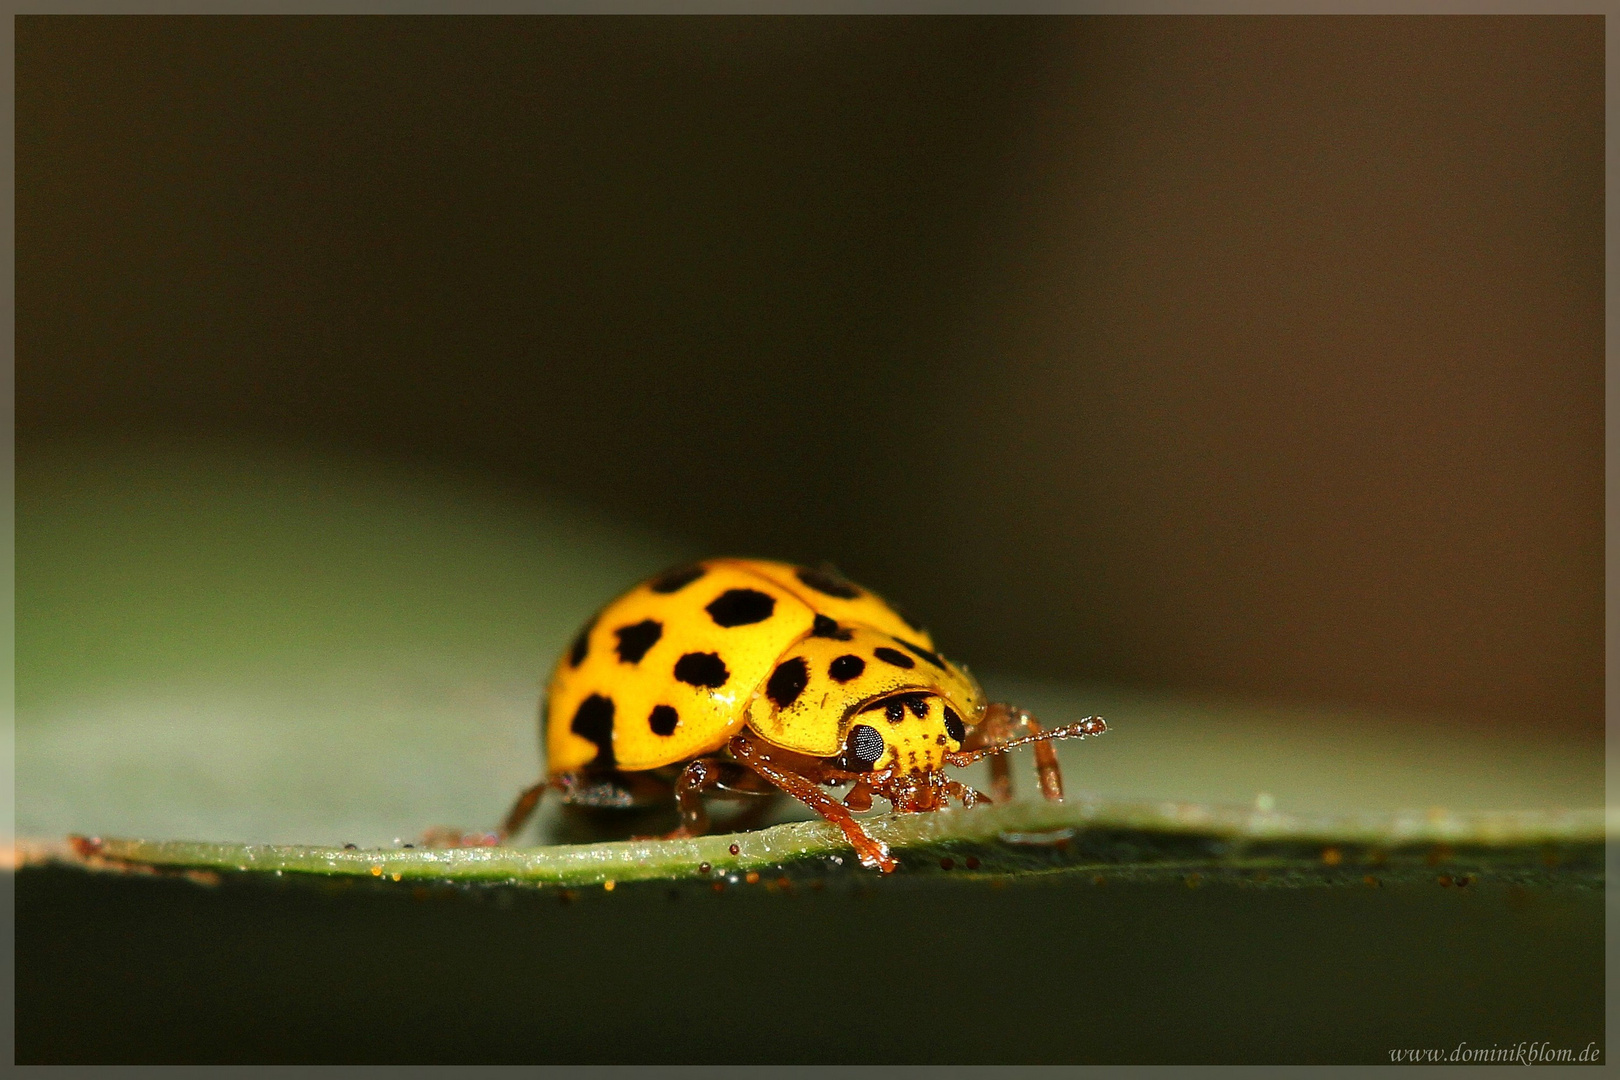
<point>1259,355</point>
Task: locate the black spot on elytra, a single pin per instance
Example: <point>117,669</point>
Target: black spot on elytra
<point>846,668</point>
<point>926,654</point>
<point>576,652</point>
<point>635,640</point>
<point>953,725</point>
<point>865,746</point>
<point>893,656</point>
<point>702,669</point>
<point>829,582</point>
<point>677,579</point>
<point>593,720</point>
<point>663,720</point>
<point>787,682</point>
<point>829,628</point>
<point>741,607</point>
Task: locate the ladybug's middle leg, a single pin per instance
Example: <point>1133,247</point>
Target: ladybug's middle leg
<point>1002,724</point>
<point>522,809</point>
<point>717,777</point>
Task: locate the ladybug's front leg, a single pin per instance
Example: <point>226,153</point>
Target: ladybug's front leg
<point>966,795</point>
<point>872,851</point>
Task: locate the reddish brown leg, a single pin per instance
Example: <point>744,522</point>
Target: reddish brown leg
<point>967,795</point>
<point>1005,727</point>
<point>863,785</point>
<point>441,836</point>
<point>859,797</point>
<point>872,851</point>
<point>715,776</point>
<point>589,787</point>
<point>992,731</point>
<point>698,776</point>
<point>522,810</point>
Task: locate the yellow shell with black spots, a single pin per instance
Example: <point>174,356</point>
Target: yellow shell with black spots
<point>675,667</point>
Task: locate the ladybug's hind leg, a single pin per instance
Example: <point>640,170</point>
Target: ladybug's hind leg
<point>522,809</point>
<point>441,836</point>
<point>589,792</point>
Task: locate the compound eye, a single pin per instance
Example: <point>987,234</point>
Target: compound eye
<point>953,725</point>
<point>865,746</point>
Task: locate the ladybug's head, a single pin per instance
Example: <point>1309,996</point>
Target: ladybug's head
<point>902,758</point>
<point>909,732</point>
<point>903,741</point>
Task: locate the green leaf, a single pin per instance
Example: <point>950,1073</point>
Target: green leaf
<point>1140,839</point>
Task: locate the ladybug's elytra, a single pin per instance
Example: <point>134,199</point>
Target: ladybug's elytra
<point>743,677</point>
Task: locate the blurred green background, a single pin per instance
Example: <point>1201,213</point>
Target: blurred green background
<point>231,644</point>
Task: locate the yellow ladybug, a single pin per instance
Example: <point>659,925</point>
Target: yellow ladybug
<point>740,677</point>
